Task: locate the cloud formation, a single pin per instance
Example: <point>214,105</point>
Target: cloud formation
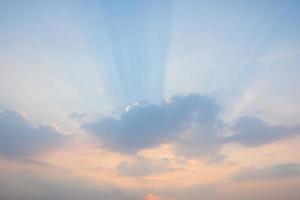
<point>145,126</point>
<point>18,137</point>
<point>191,123</point>
<point>77,116</point>
<point>251,131</point>
<point>143,167</point>
<point>271,172</point>
<point>32,186</point>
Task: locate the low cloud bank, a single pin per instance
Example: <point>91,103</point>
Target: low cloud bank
<point>19,138</point>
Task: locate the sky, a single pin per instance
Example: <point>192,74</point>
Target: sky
<point>149,100</point>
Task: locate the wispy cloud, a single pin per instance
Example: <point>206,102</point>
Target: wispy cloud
<point>143,167</point>
<point>77,116</point>
<point>251,131</point>
<point>271,172</point>
<point>32,186</point>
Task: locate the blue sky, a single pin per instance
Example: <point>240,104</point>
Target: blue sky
<point>129,46</point>
<point>114,53</point>
<point>200,81</point>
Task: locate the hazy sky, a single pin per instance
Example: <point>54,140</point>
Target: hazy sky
<point>149,99</point>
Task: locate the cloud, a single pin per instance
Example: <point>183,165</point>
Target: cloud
<point>192,192</point>
<point>18,137</point>
<point>251,131</point>
<point>31,186</point>
<point>200,140</point>
<point>151,196</point>
<point>143,167</point>
<point>31,161</point>
<point>191,123</point>
<point>77,116</point>
<point>146,126</point>
<point>271,172</point>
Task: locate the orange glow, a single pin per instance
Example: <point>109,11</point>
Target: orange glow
<point>151,196</point>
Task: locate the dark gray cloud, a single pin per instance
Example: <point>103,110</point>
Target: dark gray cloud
<point>144,126</point>
<point>251,131</point>
<point>271,172</point>
<point>143,167</point>
<point>19,137</point>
